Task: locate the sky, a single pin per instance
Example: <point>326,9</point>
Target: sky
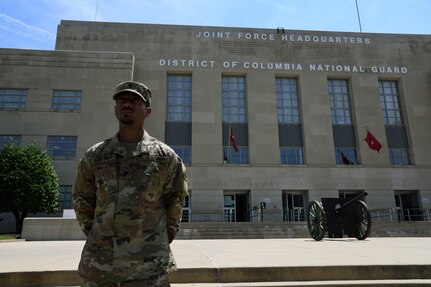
<point>32,24</point>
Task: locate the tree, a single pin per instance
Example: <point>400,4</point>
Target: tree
<point>28,182</point>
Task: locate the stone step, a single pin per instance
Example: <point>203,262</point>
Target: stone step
<point>340,283</point>
<point>243,230</point>
<point>242,276</point>
<point>68,229</point>
<point>262,230</point>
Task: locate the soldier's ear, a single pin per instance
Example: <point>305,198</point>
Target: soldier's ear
<point>147,111</point>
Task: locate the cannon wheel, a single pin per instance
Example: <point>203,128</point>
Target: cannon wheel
<point>316,220</point>
<point>363,220</point>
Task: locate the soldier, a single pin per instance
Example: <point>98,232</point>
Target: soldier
<point>128,196</point>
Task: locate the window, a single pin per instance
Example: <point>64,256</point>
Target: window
<point>339,102</point>
<point>234,100</point>
<point>287,101</point>
<point>179,98</point>
<point>9,139</point>
<point>235,157</point>
<point>235,124</point>
<point>65,200</point>
<point>345,155</point>
<point>289,121</point>
<point>399,156</point>
<point>389,101</point>
<point>291,155</point>
<point>396,133</point>
<point>342,128</point>
<point>61,147</point>
<point>13,99</point>
<point>183,152</point>
<point>66,100</point>
<point>178,126</point>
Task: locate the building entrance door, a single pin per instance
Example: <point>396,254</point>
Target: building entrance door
<point>293,206</point>
<point>408,205</point>
<point>236,207</point>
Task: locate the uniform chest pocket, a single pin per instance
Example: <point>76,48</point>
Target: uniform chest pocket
<point>105,172</point>
<point>147,172</point>
<point>105,180</point>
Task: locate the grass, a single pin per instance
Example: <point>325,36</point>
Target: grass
<point>8,236</point>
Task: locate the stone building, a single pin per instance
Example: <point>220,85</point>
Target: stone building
<point>261,117</point>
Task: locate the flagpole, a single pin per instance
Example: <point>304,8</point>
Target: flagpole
<point>228,142</point>
<point>359,17</point>
<point>360,145</point>
<point>95,13</point>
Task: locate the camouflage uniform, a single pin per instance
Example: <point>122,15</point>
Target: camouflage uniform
<point>129,205</point>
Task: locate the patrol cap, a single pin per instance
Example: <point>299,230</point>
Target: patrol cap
<point>136,88</point>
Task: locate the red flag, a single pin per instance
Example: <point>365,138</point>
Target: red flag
<point>232,140</point>
<point>372,142</point>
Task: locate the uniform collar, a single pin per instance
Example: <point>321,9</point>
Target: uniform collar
<point>115,146</point>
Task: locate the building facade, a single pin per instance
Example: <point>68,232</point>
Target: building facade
<point>266,120</point>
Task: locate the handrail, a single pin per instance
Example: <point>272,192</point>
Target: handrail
<point>295,214</point>
<point>229,214</point>
<point>398,214</point>
<point>299,214</point>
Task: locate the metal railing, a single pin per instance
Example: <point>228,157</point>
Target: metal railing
<point>229,214</point>
<point>398,214</point>
<point>186,215</point>
<point>292,215</point>
<point>300,214</point>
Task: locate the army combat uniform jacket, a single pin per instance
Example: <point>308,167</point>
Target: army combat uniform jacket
<point>129,205</point>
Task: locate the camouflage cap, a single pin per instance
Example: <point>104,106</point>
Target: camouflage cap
<point>134,87</point>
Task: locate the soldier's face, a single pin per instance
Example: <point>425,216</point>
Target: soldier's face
<point>130,109</point>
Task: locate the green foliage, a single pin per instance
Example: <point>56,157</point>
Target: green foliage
<point>28,181</point>
<point>7,236</point>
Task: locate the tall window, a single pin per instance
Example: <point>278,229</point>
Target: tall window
<point>389,102</point>
<point>184,152</point>
<point>396,134</point>
<point>66,100</point>
<point>342,126</point>
<point>289,121</point>
<point>179,98</point>
<point>399,156</point>
<point>9,139</point>
<point>61,147</point>
<point>235,122</point>
<point>65,200</point>
<point>179,115</point>
<point>13,98</point>
<point>345,155</point>
<point>339,102</point>
<point>287,101</point>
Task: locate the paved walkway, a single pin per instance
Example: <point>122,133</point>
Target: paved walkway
<point>64,255</point>
<point>239,255</point>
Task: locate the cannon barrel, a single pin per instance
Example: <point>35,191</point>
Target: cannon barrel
<point>351,202</point>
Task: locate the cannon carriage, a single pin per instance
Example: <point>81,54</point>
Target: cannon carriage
<point>338,217</point>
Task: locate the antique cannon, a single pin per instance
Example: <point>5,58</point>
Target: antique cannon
<point>338,216</point>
